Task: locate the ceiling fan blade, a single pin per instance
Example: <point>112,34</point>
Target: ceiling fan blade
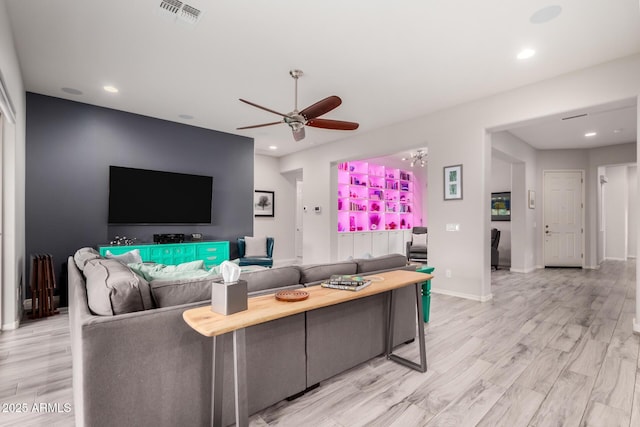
<point>321,107</point>
<point>259,126</point>
<point>262,108</point>
<point>332,124</point>
<point>298,134</point>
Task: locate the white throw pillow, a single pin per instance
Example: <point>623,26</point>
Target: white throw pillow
<point>419,239</point>
<point>127,257</point>
<point>255,246</point>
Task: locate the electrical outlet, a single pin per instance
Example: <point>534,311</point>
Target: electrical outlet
<point>447,273</point>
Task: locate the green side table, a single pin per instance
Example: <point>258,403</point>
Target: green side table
<point>426,292</point>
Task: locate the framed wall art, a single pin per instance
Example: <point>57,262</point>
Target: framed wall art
<point>453,182</point>
<point>263,203</point>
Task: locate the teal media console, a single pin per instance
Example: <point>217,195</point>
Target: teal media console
<point>212,253</point>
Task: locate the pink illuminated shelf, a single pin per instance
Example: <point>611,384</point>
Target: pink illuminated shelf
<point>374,197</point>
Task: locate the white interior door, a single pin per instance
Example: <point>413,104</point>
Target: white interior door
<point>563,218</point>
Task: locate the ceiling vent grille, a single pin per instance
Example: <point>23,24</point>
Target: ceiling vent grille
<point>171,6</point>
<point>189,14</point>
<point>180,11</point>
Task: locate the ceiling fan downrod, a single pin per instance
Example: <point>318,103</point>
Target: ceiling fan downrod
<point>295,74</point>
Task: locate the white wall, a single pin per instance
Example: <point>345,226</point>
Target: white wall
<point>281,227</point>
<point>632,230</point>
<point>457,135</point>
<point>13,172</point>
<point>615,204</point>
<point>501,182</point>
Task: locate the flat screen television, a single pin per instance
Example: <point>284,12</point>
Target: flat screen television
<point>140,196</point>
<point>501,206</point>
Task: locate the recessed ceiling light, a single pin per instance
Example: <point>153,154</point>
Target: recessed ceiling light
<point>186,116</point>
<point>110,89</point>
<point>273,147</point>
<point>72,91</point>
<point>526,53</point>
<point>590,134</point>
<point>545,14</point>
<point>617,130</point>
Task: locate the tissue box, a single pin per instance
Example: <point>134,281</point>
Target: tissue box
<point>229,298</point>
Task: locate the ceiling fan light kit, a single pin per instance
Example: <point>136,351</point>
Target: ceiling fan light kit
<point>297,120</point>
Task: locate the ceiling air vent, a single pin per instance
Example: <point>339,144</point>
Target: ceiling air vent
<point>179,11</point>
<point>171,6</point>
<point>189,14</point>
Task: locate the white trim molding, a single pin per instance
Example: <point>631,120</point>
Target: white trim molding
<point>636,327</point>
<point>6,106</point>
<point>481,298</point>
<point>524,270</point>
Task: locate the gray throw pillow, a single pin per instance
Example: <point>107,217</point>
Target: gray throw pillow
<point>84,255</point>
<point>112,288</point>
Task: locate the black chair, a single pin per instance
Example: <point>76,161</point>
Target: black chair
<point>263,261</point>
<point>495,253</point>
<point>417,251</point>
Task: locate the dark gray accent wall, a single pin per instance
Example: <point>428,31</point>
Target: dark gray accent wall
<point>69,148</point>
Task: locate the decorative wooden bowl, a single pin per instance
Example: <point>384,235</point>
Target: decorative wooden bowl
<point>292,295</point>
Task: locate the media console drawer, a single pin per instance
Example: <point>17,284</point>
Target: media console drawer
<point>212,253</point>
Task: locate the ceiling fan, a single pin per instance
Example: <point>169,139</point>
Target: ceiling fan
<point>297,120</point>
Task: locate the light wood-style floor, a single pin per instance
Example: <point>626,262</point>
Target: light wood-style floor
<point>554,348</point>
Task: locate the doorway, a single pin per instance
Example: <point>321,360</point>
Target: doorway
<point>299,222</point>
<point>1,211</point>
<point>563,218</point>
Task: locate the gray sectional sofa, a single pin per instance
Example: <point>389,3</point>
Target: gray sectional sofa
<point>138,363</point>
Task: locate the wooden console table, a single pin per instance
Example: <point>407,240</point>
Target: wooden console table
<point>265,308</point>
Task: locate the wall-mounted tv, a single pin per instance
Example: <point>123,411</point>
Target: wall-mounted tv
<point>501,206</point>
<point>140,196</point>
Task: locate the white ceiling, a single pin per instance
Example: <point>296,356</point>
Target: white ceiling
<point>389,61</point>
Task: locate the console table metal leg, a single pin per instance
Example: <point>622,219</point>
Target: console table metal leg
<point>217,371</point>
<point>422,367</point>
<point>240,378</point>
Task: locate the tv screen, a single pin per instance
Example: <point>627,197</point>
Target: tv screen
<point>140,196</point>
<point>501,206</point>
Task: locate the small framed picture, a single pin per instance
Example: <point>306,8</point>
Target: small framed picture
<point>263,203</point>
<point>532,199</point>
<point>453,182</point>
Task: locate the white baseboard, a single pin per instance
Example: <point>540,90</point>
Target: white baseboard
<point>636,327</point>
<point>481,298</point>
<point>11,326</point>
<point>614,259</point>
<point>591,267</point>
<point>524,270</point>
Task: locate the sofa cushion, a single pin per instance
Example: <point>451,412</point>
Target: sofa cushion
<point>113,288</point>
<point>384,262</point>
<point>317,272</point>
<point>167,293</point>
<point>271,278</point>
<point>83,255</point>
